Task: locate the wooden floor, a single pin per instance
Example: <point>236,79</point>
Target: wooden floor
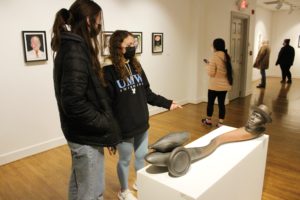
<point>45,176</point>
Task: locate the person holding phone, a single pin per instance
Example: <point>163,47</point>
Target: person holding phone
<point>219,70</point>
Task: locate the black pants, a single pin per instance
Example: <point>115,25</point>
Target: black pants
<point>220,95</point>
<point>263,77</point>
<point>285,72</point>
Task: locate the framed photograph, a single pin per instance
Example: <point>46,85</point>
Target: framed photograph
<point>138,37</point>
<point>35,46</point>
<point>105,36</point>
<point>157,42</point>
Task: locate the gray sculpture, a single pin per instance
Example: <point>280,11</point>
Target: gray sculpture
<point>169,153</point>
<point>170,141</point>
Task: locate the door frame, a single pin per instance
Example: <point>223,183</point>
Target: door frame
<point>243,72</point>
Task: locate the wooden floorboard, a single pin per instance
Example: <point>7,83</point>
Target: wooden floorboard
<point>45,176</point>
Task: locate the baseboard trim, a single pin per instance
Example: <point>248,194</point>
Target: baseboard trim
<point>197,101</point>
<point>31,150</point>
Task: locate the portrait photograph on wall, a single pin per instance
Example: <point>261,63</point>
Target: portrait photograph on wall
<point>105,36</point>
<point>138,42</point>
<point>157,42</point>
<point>35,46</point>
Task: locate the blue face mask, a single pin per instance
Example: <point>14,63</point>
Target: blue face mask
<point>130,53</point>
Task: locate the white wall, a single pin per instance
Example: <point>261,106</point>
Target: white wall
<point>263,22</point>
<point>285,25</point>
<point>28,112</point>
<point>196,92</point>
<point>29,116</point>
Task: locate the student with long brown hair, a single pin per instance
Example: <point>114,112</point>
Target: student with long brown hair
<point>86,118</point>
<point>130,92</point>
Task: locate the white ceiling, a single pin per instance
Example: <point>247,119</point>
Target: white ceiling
<point>286,4</point>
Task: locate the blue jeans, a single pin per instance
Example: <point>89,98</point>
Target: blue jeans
<point>87,175</point>
<point>139,144</point>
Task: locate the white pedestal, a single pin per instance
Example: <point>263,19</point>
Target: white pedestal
<point>235,171</point>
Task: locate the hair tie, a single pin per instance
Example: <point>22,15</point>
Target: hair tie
<point>67,27</point>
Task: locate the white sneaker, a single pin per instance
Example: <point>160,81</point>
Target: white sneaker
<point>126,195</point>
<point>134,186</point>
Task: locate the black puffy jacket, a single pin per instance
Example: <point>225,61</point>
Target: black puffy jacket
<point>286,56</point>
<point>82,101</point>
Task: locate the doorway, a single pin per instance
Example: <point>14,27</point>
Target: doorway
<point>238,51</point>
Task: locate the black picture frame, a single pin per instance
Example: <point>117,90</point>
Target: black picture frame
<point>35,46</point>
<point>157,42</point>
<point>105,36</point>
<point>138,37</point>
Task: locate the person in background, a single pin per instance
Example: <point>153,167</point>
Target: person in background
<point>219,70</point>
<point>285,60</point>
<point>86,118</point>
<point>262,62</point>
<point>130,92</point>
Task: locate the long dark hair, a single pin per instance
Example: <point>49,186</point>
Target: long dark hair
<point>219,45</point>
<point>116,54</point>
<point>75,21</point>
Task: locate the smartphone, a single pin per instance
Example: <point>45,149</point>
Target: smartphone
<point>205,60</point>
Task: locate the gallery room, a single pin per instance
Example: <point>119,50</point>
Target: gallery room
<point>172,38</point>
